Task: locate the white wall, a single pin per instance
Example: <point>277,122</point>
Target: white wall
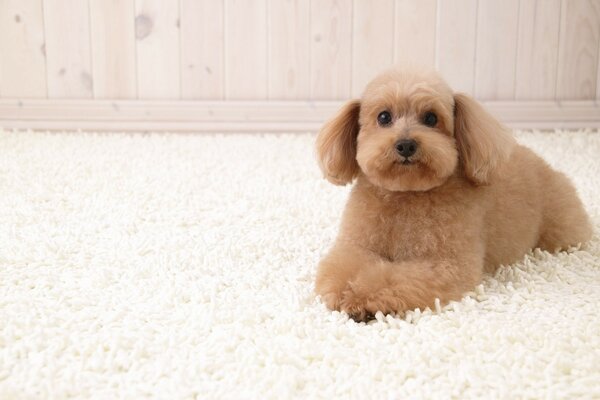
<point>257,50</point>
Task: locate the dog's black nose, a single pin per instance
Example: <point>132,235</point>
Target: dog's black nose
<point>406,147</point>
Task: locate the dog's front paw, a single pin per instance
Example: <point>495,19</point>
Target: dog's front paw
<point>368,293</point>
<point>359,304</point>
<point>332,300</point>
<point>364,292</point>
<point>362,306</point>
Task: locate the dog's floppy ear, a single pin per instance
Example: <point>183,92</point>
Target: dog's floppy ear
<point>483,143</point>
<point>336,145</point>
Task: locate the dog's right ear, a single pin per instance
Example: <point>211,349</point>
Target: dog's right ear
<point>484,144</point>
<point>336,145</point>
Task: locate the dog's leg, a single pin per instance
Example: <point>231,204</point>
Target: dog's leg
<point>397,287</point>
<point>565,222</point>
<point>340,266</point>
<point>361,283</point>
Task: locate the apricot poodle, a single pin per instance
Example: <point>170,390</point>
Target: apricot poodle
<point>442,193</point>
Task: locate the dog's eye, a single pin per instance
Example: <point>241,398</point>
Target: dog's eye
<point>430,119</point>
<point>384,118</point>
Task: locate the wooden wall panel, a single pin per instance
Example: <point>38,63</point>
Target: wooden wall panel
<point>578,50</point>
<point>372,41</point>
<point>303,50</point>
<point>22,49</point>
<point>330,49</point>
<point>289,49</point>
<point>598,76</point>
<point>246,49</point>
<point>415,31</point>
<point>113,48</point>
<point>202,49</point>
<point>496,51</point>
<point>157,47</point>
<point>68,55</point>
<point>537,49</point>
<point>456,43</point>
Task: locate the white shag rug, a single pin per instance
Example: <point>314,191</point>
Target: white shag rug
<point>182,266</point>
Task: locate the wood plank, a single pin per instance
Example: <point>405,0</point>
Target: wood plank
<point>578,49</point>
<point>537,50</point>
<point>289,50</point>
<point>455,57</point>
<point>68,54</point>
<point>415,31</point>
<point>497,29</point>
<point>246,49</point>
<point>23,56</point>
<point>202,49</point>
<point>330,49</point>
<point>372,41</point>
<point>598,77</point>
<point>157,48</point>
<point>113,48</point>
<point>249,116</point>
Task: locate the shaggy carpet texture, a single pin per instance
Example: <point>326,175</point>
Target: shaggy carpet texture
<point>182,266</point>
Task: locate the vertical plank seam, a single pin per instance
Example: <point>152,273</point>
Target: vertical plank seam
<point>598,65</point>
<point>436,47</point>
<point>474,83</point>
<point>225,63</point>
<point>351,47</point>
<point>560,44</point>
<point>309,34</point>
<point>395,33</point>
<point>222,96</point>
<point>535,24</point>
<point>514,96</point>
<point>137,72</point>
<point>179,45</point>
<point>2,73</point>
<point>91,57</point>
<point>45,47</point>
<point>268,45</point>
<point>598,74</point>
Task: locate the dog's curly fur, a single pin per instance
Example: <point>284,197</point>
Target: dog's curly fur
<point>469,199</point>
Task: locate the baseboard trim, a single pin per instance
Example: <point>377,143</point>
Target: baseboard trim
<point>249,116</point>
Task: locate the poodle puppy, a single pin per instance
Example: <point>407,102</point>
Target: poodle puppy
<point>442,193</point>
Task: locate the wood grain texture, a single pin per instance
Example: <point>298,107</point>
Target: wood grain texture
<point>578,49</point>
<point>246,49</point>
<point>295,49</point>
<point>330,49</point>
<point>68,49</point>
<point>537,50</point>
<point>415,31</point>
<point>289,49</point>
<point>455,57</point>
<point>157,48</point>
<point>497,30</point>
<point>113,48</point>
<point>372,41</point>
<point>202,49</point>
<point>22,50</point>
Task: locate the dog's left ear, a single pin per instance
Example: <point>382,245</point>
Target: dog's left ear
<point>483,143</point>
<point>336,145</point>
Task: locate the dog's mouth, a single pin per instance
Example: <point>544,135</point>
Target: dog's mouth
<point>406,162</point>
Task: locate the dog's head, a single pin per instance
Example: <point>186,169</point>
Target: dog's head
<point>410,132</point>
